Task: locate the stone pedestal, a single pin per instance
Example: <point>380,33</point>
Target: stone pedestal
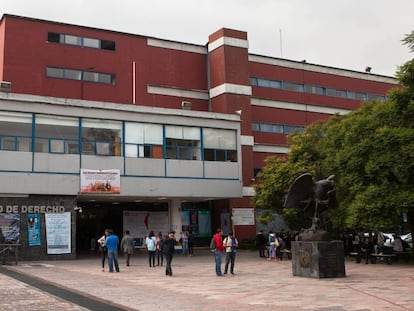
<point>318,259</point>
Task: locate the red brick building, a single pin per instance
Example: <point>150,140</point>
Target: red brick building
<point>273,96</point>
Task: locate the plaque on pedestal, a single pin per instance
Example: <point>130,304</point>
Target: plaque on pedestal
<point>318,259</point>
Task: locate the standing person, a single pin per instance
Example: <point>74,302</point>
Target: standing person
<point>168,249</point>
<point>190,243</point>
<point>112,243</point>
<point>261,243</point>
<point>218,250</point>
<point>102,248</point>
<point>184,242</point>
<point>158,247</point>
<point>273,244</point>
<point>127,245</point>
<point>151,243</point>
<point>230,243</point>
<point>365,250</point>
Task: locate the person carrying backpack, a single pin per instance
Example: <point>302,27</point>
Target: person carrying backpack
<point>151,243</point>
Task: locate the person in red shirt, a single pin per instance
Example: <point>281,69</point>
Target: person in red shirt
<point>218,250</point>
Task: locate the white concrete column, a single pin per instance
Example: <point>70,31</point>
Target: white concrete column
<point>175,217</point>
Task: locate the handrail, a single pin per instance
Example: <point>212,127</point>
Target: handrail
<point>8,247</point>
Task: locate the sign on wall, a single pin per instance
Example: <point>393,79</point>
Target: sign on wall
<point>100,181</point>
<point>139,223</point>
<point>33,229</point>
<point>9,228</point>
<point>58,236</point>
<point>243,216</point>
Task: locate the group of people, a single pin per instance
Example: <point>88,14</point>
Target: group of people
<point>157,247</point>
<point>164,248</point>
<point>228,246</point>
<point>272,245</point>
<point>364,244</point>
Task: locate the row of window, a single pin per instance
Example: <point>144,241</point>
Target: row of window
<point>81,41</point>
<point>80,75</point>
<point>275,128</point>
<point>313,89</point>
<point>68,135</point>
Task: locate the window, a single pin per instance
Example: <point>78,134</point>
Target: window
<point>275,128</point>
<point>79,75</point>
<point>91,43</point>
<point>108,45</point>
<point>290,86</point>
<point>53,37</point>
<point>81,41</point>
<point>54,133</point>
<point>57,146</point>
<point>182,142</point>
<point>73,40</point>
<point>335,92</point>
<point>143,140</point>
<point>289,129</point>
<point>73,74</point>
<point>219,145</point>
<point>313,89</point>
<point>101,137</point>
<point>55,72</point>
<point>15,131</point>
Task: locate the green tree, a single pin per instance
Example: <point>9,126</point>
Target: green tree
<point>371,152</point>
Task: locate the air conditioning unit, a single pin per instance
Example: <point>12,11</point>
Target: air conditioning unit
<point>5,86</point>
<point>186,105</point>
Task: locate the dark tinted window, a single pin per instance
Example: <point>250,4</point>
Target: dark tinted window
<point>53,37</point>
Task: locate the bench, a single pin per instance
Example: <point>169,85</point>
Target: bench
<point>387,257</point>
<point>403,255</point>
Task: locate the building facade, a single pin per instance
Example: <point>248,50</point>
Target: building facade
<point>180,129</point>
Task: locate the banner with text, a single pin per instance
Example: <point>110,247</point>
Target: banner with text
<point>33,229</point>
<point>100,181</point>
<point>58,234</point>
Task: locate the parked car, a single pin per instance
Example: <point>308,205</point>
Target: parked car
<point>389,239</point>
<point>408,238</point>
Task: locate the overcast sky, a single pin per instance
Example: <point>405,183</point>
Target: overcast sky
<point>349,34</point>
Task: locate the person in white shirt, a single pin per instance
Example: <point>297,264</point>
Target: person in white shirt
<point>230,243</point>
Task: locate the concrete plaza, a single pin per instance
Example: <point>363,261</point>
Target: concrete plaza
<point>258,285</point>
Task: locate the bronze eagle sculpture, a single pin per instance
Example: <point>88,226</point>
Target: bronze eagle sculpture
<point>319,195</point>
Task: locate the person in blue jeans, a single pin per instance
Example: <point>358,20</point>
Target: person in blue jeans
<point>218,252</point>
<point>230,243</point>
<point>112,242</point>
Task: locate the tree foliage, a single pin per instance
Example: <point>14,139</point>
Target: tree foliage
<point>371,152</point>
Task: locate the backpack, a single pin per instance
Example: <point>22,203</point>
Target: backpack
<point>213,244</point>
<point>150,244</point>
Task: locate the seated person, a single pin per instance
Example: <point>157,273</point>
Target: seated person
<point>364,250</point>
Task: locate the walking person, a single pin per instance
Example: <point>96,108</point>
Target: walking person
<point>261,243</point>
<point>112,243</point>
<point>168,249</point>
<point>127,245</point>
<point>218,250</point>
<point>190,243</point>
<point>230,243</point>
<point>151,243</point>
<point>158,251</point>
<point>103,249</point>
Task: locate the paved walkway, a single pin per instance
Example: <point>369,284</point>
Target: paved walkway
<point>259,285</point>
